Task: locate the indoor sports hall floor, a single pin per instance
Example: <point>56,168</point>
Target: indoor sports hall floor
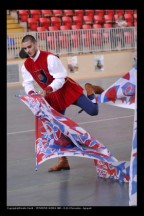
<point>79,186</point>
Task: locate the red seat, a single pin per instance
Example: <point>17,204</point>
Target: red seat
<point>86,38</point>
<point>66,20</point>
<point>135,16</point>
<point>98,19</point>
<point>128,37</point>
<point>56,21</point>
<point>129,12</point>
<point>79,13</point>
<point>42,32</point>
<point>130,23</point>
<point>58,13</point>
<point>89,13</point>
<point>87,19</point>
<point>119,12</point>
<point>35,14</point>
<point>106,37</point>
<point>77,20</point>
<point>108,18</point>
<point>46,13</point>
<point>44,22</point>
<point>68,12</point>
<point>115,17</point>
<point>32,24</point>
<point>75,40</point>
<point>86,26</point>
<point>53,28</point>
<point>75,27</point>
<point>51,42</point>
<point>95,26</point>
<point>129,19</point>
<point>96,38</point>
<point>41,28</point>
<point>109,12</point>
<point>63,41</point>
<point>23,15</point>
<point>64,27</point>
<point>99,12</point>
<point>107,25</point>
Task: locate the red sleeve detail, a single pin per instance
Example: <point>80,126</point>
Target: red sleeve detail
<point>49,89</point>
<point>31,92</point>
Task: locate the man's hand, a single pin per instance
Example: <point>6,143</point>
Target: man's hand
<point>44,93</point>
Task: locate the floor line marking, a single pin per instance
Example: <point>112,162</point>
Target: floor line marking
<point>101,120</point>
<point>81,123</point>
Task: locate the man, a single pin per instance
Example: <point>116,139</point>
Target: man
<point>59,90</point>
<point>121,22</point>
<point>118,37</point>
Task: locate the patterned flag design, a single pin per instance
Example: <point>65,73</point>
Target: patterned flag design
<point>122,92</point>
<point>57,135</point>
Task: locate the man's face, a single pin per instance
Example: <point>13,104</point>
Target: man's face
<point>120,17</point>
<point>30,48</point>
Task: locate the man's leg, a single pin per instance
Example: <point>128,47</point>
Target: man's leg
<point>61,165</point>
<point>93,89</point>
<point>88,103</point>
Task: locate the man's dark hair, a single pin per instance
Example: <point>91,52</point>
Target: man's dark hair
<point>27,38</point>
<point>23,54</point>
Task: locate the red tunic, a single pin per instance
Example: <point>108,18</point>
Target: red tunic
<point>61,98</point>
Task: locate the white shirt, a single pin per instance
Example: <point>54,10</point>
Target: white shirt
<point>56,69</point>
<point>121,23</point>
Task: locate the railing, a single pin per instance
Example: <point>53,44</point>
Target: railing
<point>77,41</point>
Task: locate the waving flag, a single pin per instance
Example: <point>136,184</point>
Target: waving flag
<point>122,92</point>
<point>133,165</point>
<point>57,135</point>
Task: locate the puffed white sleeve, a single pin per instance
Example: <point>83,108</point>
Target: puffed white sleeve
<point>28,80</point>
<point>57,70</point>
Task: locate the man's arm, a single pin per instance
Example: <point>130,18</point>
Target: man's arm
<point>27,81</point>
<point>23,54</point>
<point>58,71</point>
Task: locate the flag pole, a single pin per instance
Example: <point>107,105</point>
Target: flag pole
<point>36,135</point>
